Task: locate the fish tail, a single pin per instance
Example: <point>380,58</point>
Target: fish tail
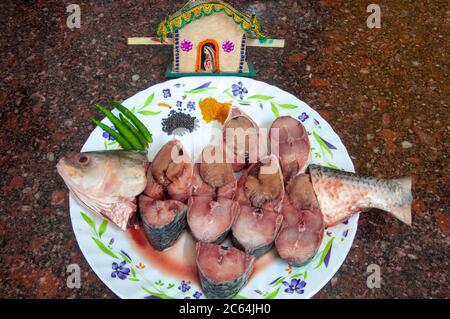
<point>402,211</point>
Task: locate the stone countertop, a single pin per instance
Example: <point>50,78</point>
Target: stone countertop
<point>385,92</point>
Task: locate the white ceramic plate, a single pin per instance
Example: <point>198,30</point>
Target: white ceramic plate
<point>128,265</point>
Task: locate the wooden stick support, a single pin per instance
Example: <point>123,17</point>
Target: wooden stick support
<point>265,43</point>
<point>149,41</point>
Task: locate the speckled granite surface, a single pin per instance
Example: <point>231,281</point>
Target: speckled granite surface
<point>385,92</point>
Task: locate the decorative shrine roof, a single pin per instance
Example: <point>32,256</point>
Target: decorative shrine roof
<point>196,9</point>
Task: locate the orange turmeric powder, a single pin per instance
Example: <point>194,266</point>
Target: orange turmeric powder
<point>212,110</point>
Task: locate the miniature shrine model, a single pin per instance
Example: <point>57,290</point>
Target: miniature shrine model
<point>209,38</point>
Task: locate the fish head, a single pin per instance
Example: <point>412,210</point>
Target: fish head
<point>106,183</point>
<point>101,174</point>
<point>83,171</point>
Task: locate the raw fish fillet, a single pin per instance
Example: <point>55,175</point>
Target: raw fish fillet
<point>209,219</point>
<point>260,188</point>
<point>293,146</point>
<point>164,220</point>
<point>223,271</point>
<point>170,173</point>
<point>213,176</point>
<point>242,139</point>
<point>254,230</point>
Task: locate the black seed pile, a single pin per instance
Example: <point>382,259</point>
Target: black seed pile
<point>179,122</point>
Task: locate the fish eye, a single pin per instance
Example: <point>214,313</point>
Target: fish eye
<point>83,159</point>
<point>180,152</point>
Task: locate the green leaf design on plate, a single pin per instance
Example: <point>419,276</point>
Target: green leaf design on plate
<point>159,283</point>
<point>227,92</point>
<point>261,97</point>
<point>231,96</point>
<point>288,106</point>
<point>89,221</point>
<point>149,112</point>
<point>125,257</point>
<point>279,281</point>
<point>149,100</point>
<point>273,294</point>
<point>102,228</point>
<point>275,110</point>
<point>322,144</point>
<point>331,165</point>
<point>325,252</point>
<point>133,272</point>
<point>200,90</point>
<point>103,248</point>
<point>133,109</point>
<point>239,297</point>
<point>170,286</point>
<point>105,145</point>
<point>305,275</point>
<point>297,275</point>
<point>160,295</point>
<point>133,279</point>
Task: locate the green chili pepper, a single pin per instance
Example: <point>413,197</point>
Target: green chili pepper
<point>133,119</point>
<point>126,146</point>
<point>134,130</point>
<point>122,128</point>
